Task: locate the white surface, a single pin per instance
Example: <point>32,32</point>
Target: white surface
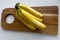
<point>13,35</point>
<point>10,19</point>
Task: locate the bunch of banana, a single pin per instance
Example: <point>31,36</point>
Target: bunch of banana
<point>29,17</point>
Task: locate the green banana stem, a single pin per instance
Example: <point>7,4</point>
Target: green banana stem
<point>17,6</point>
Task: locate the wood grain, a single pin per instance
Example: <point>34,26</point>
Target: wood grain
<point>50,19</point>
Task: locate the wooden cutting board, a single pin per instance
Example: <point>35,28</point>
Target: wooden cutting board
<point>50,19</point>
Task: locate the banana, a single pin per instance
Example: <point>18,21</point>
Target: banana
<point>28,18</point>
<point>32,20</point>
<point>20,17</point>
<point>30,10</point>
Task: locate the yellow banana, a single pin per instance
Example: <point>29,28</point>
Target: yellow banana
<point>32,20</point>
<point>27,17</point>
<point>30,10</point>
<point>20,17</point>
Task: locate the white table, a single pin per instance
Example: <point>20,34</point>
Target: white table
<point>13,35</point>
